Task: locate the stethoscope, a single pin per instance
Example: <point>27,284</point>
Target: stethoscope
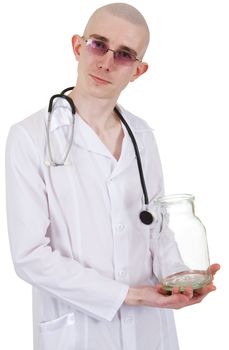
<point>145,215</point>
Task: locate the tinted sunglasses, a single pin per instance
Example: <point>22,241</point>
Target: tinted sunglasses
<point>100,48</point>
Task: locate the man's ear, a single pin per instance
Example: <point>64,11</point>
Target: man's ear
<point>76,45</point>
<point>141,69</point>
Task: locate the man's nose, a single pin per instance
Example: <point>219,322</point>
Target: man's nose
<point>106,61</point>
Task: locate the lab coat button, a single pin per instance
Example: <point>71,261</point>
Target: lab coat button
<point>122,273</point>
<point>120,227</point>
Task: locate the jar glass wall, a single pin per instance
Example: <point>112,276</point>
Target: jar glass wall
<point>182,244</point>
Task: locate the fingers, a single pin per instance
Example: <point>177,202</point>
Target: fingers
<point>161,289</point>
<point>205,290</point>
<point>188,291</point>
<point>178,298</point>
<point>213,269</point>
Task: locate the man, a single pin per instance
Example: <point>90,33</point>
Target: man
<point>75,231</point>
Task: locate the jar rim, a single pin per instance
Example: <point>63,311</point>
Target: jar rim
<point>175,198</point>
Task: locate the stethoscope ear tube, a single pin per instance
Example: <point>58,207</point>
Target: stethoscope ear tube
<point>67,98</point>
<point>50,107</point>
<point>67,89</point>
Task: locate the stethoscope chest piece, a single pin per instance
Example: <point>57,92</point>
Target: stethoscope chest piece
<point>146,217</point>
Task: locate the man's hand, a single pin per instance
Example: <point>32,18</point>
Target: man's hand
<point>156,296</point>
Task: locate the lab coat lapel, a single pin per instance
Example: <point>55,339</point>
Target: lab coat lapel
<point>128,153</point>
<point>85,137</point>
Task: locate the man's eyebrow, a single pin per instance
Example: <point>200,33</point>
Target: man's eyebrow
<point>128,49</point>
<point>99,37</point>
<point>121,47</point>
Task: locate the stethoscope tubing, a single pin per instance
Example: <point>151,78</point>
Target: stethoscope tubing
<point>137,153</point>
<point>145,216</point>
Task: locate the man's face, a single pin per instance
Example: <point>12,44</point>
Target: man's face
<point>102,76</point>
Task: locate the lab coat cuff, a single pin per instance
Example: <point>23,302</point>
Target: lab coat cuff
<point>119,301</point>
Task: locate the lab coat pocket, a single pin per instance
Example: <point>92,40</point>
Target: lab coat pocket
<point>59,334</point>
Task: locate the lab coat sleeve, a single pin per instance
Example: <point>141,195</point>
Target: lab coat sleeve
<point>28,220</point>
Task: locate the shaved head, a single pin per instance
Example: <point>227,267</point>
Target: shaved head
<point>126,12</point>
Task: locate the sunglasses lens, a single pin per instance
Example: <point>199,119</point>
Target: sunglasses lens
<point>124,58</point>
<point>100,48</point>
<point>97,47</point>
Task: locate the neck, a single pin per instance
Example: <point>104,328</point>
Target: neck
<point>97,112</point>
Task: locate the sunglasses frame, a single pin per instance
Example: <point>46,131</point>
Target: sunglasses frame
<point>121,60</point>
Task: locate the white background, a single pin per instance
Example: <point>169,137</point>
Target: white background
<point>183,96</point>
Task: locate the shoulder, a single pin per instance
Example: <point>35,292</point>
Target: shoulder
<point>26,139</point>
<point>32,127</point>
<point>33,123</point>
<point>137,124</point>
<point>142,131</point>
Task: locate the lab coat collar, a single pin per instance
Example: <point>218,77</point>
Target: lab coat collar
<point>86,138</point>
<point>89,140</point>
<point>62,115</point>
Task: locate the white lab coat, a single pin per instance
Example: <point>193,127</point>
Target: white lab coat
<point>76,237</point>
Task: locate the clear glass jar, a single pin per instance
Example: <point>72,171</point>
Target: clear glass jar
<point>182,244</point>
